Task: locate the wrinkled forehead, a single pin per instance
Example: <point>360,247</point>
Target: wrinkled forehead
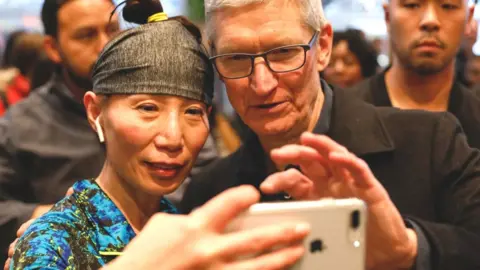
<point>259,22</point>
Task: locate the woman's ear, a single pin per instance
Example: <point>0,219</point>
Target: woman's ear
<point>93,107</point>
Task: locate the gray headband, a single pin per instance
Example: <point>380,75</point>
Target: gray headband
<point>155,58</point>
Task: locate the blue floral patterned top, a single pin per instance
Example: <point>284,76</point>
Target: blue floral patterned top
<point>83,231</point>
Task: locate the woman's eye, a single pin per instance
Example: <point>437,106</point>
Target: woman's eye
<point>147,107</point>
<point>195,111</point>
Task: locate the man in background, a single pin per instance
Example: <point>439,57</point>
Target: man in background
<point>425,37</point>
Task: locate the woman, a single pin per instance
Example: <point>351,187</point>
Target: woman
<point>152,93</point>
<point>353,59</point>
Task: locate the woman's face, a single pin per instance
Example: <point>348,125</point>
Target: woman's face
<point>344,69</point>
<point>153,140</point>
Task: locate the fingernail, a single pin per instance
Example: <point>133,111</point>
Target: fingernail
<point>302,228</point>
<point>299,250</point>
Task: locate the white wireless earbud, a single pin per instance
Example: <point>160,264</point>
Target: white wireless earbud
<point>99,130</point>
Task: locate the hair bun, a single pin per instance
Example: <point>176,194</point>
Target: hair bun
<point>138,11</point>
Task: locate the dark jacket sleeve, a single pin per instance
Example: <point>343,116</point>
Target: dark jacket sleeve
<point>455,239</point>
<point>13,212</point>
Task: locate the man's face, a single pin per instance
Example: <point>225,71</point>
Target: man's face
<point>271,103</point>
<point>83,30</point>
<point>425,35</point>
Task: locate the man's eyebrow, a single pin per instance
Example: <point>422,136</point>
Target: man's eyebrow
<point>245,47</point>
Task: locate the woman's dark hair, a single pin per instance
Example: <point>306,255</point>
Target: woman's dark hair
<point>138,11</point>
<point>361,48</point>
<point>26,51</point>
<point>7,54</point>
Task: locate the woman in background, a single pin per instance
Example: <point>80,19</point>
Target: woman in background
<point>353,59</point>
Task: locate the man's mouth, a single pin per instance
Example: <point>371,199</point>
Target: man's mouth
<point>268,105</point>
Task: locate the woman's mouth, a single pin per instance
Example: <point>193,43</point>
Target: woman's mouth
<point>164,171</point>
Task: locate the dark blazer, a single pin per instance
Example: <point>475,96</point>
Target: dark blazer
<point>464,103</point>
<point>421,158</point>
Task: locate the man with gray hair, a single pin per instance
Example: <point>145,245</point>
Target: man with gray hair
<point>414,169</point>
<point>425,37</point>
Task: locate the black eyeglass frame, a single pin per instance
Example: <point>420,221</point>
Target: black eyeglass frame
<point>306,47</point>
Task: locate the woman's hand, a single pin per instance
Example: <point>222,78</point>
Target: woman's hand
<point>199,241</point>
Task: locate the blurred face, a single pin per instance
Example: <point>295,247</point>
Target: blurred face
<point>83,30</point>
<point>472,70</point>
<point>344,69</point>
<point>426,34</point>
<point>153,140</point>
<point>271,103</point>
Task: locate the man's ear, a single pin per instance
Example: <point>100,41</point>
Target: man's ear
<point>386,14</point>
<point>472,25</point>
<point>52,50</point>
<point>324,47</point>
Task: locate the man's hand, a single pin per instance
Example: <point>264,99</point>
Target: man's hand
<point>40,210</point>
<point>11,248</point>
<point>199,241</point>
<point>330,170</point>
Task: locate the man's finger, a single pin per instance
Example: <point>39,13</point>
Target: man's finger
<point>357,168</point>
<point>220,210</point>
<point>11,248</point>
<point>290,181</point>
<point>311,162</point>
<point>24,227</point>
<point>276,260</point>
<point>295,154</point>
<point>70,191</point>
<point>321,143</point>
<point>362,176</point>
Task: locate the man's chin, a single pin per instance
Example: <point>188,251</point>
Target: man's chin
<point>275,128</point>
<point>83,82</point>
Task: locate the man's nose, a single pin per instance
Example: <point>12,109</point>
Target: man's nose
<point>430,21</point>
<point>262,81</point>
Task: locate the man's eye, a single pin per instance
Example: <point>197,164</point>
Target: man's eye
<point>238,57</point>
<point>87,35</point>
<point>284,51</point>
<point>449,6</point>
<point>411,5</point>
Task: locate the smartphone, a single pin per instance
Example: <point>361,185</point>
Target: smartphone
<point>338,230</point>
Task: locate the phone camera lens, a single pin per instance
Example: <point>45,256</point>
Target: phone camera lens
<point>355,219</point>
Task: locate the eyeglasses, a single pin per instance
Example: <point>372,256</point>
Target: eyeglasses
<point>280,60</point>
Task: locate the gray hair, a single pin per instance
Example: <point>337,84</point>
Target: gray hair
<point>312,11</point>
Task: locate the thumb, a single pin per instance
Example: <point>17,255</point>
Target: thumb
<point>219,211</point>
